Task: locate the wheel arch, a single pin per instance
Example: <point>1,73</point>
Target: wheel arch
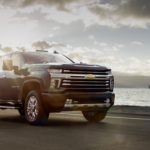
<point>28,86</point>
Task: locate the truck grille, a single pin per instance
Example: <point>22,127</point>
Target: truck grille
<point>101,72</point>
<point>77,81</point>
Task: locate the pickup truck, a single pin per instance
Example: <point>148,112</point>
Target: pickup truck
<point>39,83</point>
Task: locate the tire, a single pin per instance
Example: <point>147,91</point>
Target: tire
<point>34,111</point>
<point>94,116</point>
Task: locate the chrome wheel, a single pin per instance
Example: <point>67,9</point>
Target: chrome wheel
<point>35,113</point>
<point>32,108</point>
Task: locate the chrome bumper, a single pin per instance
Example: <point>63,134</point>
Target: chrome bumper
<point>87,106</point>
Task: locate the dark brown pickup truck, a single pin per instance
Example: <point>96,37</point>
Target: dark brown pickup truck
<point>39,83</point>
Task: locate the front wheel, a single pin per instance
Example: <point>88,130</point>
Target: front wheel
<point>94,116</point>
<point>34,111</point>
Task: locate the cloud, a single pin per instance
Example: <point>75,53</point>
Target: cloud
<point>23,49</point>
<point>56,28</point>
<point>40,45</point>
<point>91,37</point>
<point>137,43</point>
<point>133,13</point>
<point>111,13</point>
<point>101,44</point>
<point>85,54</point>
<point>59,4</point>
<point>44,45</point>
<point>7,49</point>
<point>107,56</point>
<point>135,8</point>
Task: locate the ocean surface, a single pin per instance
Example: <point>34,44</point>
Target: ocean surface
<point>132,96</point>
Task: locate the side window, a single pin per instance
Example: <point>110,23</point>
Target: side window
<point>6,63</point>
<point>16,59</point>
<point>1,63</point>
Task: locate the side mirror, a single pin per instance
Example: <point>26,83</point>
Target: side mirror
<point>7,64</point>
<point>20,71</point>
<point>16,69</point>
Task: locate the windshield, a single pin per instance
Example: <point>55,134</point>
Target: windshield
<point>38,58</point>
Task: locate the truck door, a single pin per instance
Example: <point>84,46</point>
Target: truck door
<point>9,85</point>
<point>3,85</point>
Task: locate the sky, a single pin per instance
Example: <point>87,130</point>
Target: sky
<point>115,33</point>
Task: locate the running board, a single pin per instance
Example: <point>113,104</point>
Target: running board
<point>9,107</point>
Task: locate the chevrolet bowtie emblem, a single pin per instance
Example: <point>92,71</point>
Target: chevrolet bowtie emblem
<point>90,76</point>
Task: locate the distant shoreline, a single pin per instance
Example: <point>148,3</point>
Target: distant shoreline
<point>137,110</point>
<point>131,88</point>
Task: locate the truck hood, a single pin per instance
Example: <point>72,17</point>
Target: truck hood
<point>79,67</point>
<point>74,66</point>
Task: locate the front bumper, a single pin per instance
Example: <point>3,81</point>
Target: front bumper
<point>55,102</point>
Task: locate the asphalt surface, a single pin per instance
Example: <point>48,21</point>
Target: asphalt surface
<point>72,132</point>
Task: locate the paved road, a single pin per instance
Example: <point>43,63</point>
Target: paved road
<point>72,132</point>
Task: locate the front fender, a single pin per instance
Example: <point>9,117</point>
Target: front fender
<point>40,80</point>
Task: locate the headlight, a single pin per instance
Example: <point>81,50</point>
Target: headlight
<point>55,78</point>
<point>55,70</point>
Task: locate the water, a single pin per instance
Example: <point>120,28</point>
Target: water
<point>132,96</point>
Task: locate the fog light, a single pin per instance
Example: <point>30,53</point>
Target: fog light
<point>107,100</point>
<point>69,101</point>
<point>55,83</point>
